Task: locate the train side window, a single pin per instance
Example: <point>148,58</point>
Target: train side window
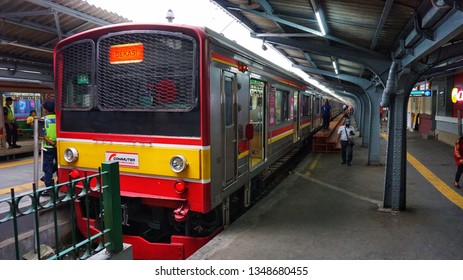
<point>281,106</point>
<point>317,106</point>
<point>304,106</point>
<point>228,88</point>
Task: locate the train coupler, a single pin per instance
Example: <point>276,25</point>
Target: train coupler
<point>181,213</point>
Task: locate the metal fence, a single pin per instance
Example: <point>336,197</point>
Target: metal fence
<point>104,184</point>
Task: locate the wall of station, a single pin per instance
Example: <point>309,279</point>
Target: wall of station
<point>437,115</point>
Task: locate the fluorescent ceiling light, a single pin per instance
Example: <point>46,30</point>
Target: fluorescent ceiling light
<point>335,67</point>
<point>320,23</point>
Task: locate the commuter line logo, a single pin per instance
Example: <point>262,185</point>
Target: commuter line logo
<point>124,159</point>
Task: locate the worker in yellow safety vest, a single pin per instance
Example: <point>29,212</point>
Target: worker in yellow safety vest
<point>11,126</point>
<point>49,143</point>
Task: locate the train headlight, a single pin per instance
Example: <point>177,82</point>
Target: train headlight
<point>178,163</point>
<point>71,154</point>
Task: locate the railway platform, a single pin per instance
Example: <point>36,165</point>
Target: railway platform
<point>324,210</point>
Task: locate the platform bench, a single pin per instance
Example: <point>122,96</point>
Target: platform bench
<point>327,140</point>
<point>24,129</point>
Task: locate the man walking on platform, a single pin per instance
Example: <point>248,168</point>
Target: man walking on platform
<point>326,115</point>
<point>346,137</point>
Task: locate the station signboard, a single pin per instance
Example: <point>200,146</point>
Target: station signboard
<point>457,95</point>
<point>421,93</point>
<point>421,89</point>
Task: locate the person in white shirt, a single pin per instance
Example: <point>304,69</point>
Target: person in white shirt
<point>346,137</point>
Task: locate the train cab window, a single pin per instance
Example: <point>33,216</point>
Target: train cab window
<point>163,79</point>
<point>75,72</point>
<point>281,106</point>
<point>142,82</point>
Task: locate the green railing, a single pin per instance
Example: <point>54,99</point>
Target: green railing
<point>105,184</point>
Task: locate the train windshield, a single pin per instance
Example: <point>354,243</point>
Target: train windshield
<point>130,75</point>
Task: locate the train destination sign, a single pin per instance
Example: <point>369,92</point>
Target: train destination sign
<point>126,53</point>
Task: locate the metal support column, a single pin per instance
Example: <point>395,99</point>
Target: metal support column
<point>366,114</point>
<point>374,150</point>
<point>396,157</point>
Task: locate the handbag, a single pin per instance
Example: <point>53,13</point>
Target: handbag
<point>350,141</point>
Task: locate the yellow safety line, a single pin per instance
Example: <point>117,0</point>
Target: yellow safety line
<point>313,164</point>
<point>16,163</point>
<point>449,193</point>
<point>442,187</point>
<point>20,188</point>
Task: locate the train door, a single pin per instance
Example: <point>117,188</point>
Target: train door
<point>295,116</point>
<point>229,90</point>
<point>256,118</point>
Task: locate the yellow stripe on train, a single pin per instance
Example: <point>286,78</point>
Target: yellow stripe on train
<point>305,125</point>
<point>280,136</point>
<point>139,159</point>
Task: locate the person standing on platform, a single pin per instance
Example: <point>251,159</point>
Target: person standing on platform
<point>11,125</point>
<point>326,115</point>
<point>49,144</point>
<point>346,137</point>
<point>458,154</point>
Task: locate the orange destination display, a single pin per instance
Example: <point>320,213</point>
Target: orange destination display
<point>127,53</point>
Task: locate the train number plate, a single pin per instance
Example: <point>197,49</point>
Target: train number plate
<point>124,159</point>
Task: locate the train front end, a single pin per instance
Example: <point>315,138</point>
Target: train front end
<point>134,94</point>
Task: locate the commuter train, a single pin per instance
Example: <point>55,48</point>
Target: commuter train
<point>193,119</point>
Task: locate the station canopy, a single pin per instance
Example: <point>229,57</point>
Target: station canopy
<point>30,29</point>
<point>329,40</point>
<point>334,39</point>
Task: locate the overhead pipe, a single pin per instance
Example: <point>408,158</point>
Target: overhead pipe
<point>390,86</point>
